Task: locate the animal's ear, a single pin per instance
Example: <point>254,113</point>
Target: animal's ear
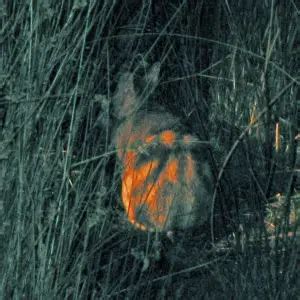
<point>151,77</point>
<point>125,99</point>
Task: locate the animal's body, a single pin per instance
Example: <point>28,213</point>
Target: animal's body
<point>164,186</point>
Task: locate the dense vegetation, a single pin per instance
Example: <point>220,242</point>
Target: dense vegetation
<point>230,72</point>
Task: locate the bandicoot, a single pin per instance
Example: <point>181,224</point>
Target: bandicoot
<point>164,184</point>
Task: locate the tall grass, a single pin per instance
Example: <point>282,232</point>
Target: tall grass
<point>230,71</point>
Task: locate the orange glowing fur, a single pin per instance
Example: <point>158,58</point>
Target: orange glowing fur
<point>168,137</point>
<point>161,188</point>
